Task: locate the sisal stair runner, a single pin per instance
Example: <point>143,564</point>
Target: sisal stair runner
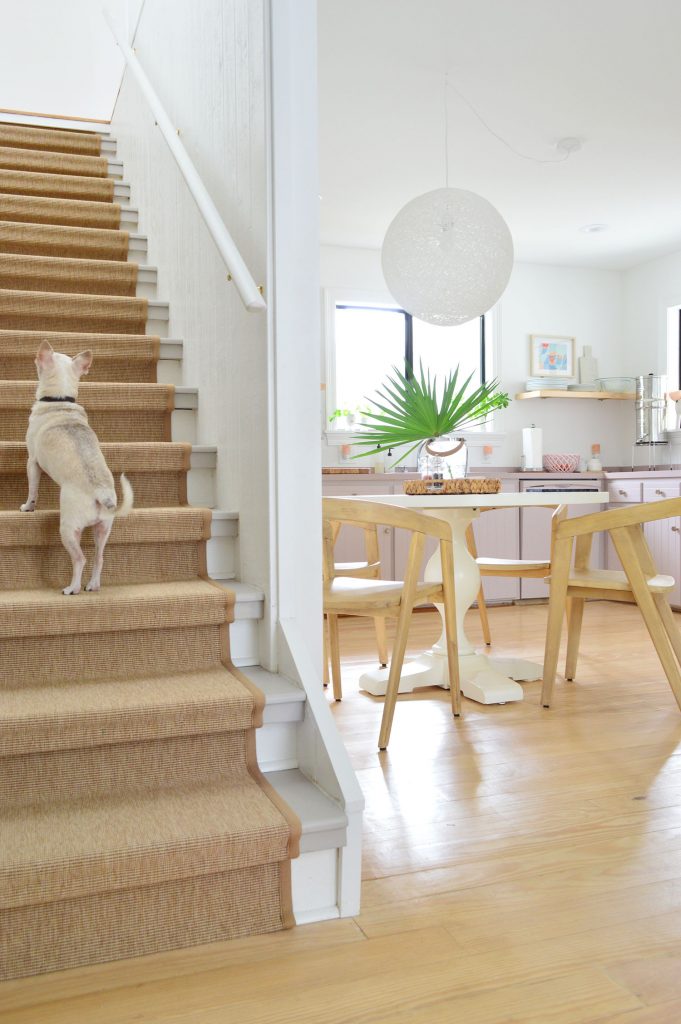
<point>133,816</point>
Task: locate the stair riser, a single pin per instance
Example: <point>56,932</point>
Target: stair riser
<point>21,367</point>
<point>30,568</point>
<point>201,488</point>
<point>221,556</point>
<point>152,490</point>
<point>95,772</point>
<point>109,424</point>
<point>170,915</point>
<point>113,279</point>
<point>40,660</point>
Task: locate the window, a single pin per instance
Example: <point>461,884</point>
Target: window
<point>366,340</point>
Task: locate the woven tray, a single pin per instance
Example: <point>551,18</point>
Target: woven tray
<point>483,485</point>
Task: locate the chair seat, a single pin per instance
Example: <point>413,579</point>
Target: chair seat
<point>615,579</point>
<point>512,565</point>
<point>345,591</point>
<point>356,568</point>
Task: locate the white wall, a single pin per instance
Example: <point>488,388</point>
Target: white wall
<point>207,63</point>
<point>60,57</point>
<point>586,304</point>
<point>650,289</point>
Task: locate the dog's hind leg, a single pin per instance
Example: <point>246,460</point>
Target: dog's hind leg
<point>101,530</point>
<point>33,472</point>
<point>70,538</point>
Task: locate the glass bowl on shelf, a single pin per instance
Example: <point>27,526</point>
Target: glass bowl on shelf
<point>624,384</point>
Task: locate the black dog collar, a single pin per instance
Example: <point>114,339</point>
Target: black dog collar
<point>51,398</point>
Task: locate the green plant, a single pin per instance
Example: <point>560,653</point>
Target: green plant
<point>338,414</point>
<point>409,410</point>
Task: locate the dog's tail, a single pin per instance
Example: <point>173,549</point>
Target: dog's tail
<point>125,507</point>
<point>106,497</point>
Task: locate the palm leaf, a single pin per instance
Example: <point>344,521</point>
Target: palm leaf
<point>406,410</point>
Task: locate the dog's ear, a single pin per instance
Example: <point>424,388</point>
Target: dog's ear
<point>82,362</point>
<point>45,354</point>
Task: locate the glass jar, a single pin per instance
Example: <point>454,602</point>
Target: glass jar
<point>440,459</point>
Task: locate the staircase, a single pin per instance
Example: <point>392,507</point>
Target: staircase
<point>139,811</point>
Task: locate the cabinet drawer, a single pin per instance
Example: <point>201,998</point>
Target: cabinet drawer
<point>624,490</point>
<point>355,490</point>
<point>658,490</point>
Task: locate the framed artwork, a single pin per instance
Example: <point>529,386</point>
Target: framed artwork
<point>552,355</point>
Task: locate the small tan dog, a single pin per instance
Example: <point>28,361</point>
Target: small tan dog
<point>61,443</point>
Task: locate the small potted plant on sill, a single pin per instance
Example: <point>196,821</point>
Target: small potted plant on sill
<point>410,411</point>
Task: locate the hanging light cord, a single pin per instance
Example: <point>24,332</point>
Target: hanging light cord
<point>537,160</point>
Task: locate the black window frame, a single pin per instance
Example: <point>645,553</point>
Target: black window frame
<point>409,334</point>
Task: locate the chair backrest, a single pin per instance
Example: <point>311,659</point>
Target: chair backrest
<point>614,519</point>
<point>371,548</point>
<point>358,512</point>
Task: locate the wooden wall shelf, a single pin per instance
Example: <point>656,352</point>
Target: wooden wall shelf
<point>601,396</point>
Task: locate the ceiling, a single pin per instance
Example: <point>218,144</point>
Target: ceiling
<point>536,71</point>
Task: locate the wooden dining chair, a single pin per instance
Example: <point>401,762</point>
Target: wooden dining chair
<point>639,583</point>
<point>369,569</point>
<point>524,568</point>
<point>347,595</point>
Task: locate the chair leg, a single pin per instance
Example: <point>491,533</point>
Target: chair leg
<point>575,615</point>
<point>482,607</point>
<point>484,619</point>
<point>381,640</point>
<point>447,558</point>
<point>672,630</point>
<point>325,649</point>
<point>560,572</point>
<point>402,632</point>
<point>396,662</point>
<point>626,549</point>
<point>334,648</point>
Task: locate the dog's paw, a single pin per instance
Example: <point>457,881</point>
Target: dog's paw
<point>71,590</point>
<point>92,587</point>
<point>28,506</point>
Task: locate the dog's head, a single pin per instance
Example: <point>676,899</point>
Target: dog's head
<point>58,374</point>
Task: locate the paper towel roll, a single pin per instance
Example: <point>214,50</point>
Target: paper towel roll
<point>532,448</point>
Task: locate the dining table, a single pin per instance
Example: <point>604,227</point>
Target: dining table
<point>485,679</point>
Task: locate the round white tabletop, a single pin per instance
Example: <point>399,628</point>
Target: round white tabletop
<point>483,679</point>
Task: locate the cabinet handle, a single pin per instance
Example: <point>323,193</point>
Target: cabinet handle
<point>623,493</point>
<point>661,493</point>
<point>386,529</point>
<point>676,529</point>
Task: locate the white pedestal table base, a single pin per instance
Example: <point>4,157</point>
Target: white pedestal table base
<point>483,679</point>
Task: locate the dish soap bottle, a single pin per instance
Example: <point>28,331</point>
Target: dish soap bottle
<point>594,463</point>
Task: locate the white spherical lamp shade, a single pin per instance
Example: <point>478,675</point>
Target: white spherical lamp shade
<point>447,256</point>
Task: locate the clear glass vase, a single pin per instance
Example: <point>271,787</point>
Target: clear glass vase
<point>440,459</point>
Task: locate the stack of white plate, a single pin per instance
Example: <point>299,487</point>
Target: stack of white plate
<point>545,384</point>
<point>582,387</point>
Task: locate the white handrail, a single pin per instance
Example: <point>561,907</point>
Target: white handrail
<point>238,271</point>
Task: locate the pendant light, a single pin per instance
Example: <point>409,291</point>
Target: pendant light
<point>447,255</point>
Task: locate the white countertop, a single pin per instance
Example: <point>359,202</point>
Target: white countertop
<point>501,500</point>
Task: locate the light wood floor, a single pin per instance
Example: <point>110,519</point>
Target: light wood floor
<point>521,865</point>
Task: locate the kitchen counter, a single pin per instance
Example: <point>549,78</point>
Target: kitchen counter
<point>506,473</point>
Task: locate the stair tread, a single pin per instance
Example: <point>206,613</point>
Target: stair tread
<point>317,811</point>
<point>142,525</point>
<point>44,612</point>
<point>60,851</point>
<point>128,456</point>
<point>103,711</point>
<point>20,394</point>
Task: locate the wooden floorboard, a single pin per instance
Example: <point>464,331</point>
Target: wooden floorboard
<point>520,864</point>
